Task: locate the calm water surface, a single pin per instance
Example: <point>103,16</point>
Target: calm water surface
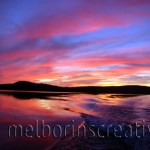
<point>64,108</point>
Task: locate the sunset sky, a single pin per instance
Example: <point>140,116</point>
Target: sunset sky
<point>75,42</point>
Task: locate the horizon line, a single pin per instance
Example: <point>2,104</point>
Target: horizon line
<point>77,86</point>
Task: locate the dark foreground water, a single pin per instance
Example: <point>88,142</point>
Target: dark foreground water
<point>74,121</point>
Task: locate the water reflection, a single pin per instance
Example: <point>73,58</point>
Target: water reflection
<point>104,105</point>
<point>63,107</point>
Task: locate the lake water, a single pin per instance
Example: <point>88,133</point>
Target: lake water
<point>66,109</point>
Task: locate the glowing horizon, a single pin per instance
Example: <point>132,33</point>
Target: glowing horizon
<point>75,43</point>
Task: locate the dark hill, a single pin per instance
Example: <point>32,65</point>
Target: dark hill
<point>29,86</point>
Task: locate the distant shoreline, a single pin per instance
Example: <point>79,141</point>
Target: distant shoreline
<point>45,88</point>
